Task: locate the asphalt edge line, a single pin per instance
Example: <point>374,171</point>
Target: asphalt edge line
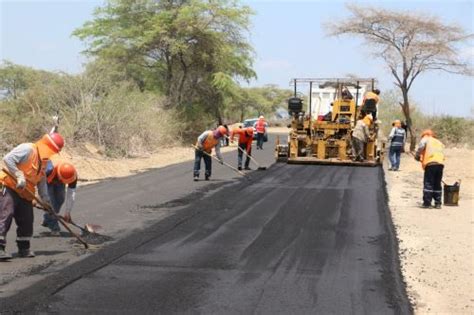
<point>394,259</point>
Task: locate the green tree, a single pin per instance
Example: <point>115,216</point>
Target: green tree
<point>409,43</point>
<point>189,50</point>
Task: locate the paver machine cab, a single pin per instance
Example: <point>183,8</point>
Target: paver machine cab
<point>318,137</point>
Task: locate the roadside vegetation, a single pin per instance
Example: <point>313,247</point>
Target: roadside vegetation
<point>160,72</point>
<point>452,131</point>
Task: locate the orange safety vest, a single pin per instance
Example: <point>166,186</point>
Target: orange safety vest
<point>34,170</point>
<point>210,142</point>
<point>433,152</point>
<point>260,126</point>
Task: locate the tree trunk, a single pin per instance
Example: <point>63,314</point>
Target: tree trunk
<point>406,112</point>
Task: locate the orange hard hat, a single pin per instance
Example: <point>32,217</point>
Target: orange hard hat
<point>50,144</point>
<point>66,173</point>
<point>427,132</point>
<point>222,130</point>
<point>249,131</point>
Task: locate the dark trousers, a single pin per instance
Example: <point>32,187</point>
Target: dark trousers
<point>394,156</point>
<point>357,149</point>
<point>243,147</point>
<point>260,137</point>
<point>432,184</point>
<point>57,193</point>
<point>13,206</point>
<point>198,155</point>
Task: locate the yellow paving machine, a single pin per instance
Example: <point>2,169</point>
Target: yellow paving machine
<point>321,133</point>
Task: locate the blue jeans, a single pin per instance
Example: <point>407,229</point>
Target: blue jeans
<point>243,147</point>
<point>56,194</point>
<point>198,155</point>
<point>394,156</point>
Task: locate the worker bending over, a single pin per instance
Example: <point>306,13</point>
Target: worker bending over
<point>60,174</point>
<point>245,145</point>
<point>27,163</point>
<point>430,154</point>
<point>369,104</point>
<point>205,142</point>
<point>360,137</point>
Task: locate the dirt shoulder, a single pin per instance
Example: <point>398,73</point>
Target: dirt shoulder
<point>436,246</point>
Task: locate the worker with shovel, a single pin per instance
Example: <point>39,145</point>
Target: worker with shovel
<point>205,143</point>
<point>60,174</point>
<point>245,145</point>
<point>27,163</point>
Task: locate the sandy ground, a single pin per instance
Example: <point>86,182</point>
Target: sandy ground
<point>436,246</point>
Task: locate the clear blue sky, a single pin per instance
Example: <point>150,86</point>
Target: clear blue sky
<point>287,35</point>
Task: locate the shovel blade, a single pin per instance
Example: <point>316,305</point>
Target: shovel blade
<point>92,228</point>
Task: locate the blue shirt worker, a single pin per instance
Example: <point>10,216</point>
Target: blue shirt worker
<point>59,175</point>
<point>397,139</point>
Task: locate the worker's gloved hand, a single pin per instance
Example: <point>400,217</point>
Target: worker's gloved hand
<point>20,180</point>
<point>199,147</point>
<point>33,203</point>
<point>221,161</point>
<point>417,158</point>
<point>67,217</point>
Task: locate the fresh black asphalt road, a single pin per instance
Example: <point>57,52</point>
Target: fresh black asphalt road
<point>295,239</point>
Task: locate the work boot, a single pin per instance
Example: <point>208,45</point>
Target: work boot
<point>4,255</point>
<point>247,168</point>
<point>25,253</point>
<point>196,178</point>
<point>437,206</point>
<point>424,206</point>
<point>239,168</point>
<point>207,177</point>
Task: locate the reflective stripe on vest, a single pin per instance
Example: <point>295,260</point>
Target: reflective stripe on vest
<point>433,152</point>
<point>32,168</point>
<point>398,136</point>
<point>210,142</point>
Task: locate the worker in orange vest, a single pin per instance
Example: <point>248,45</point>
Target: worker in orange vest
<point>260,127</point>
<point>27,162</point>
<point>430,154</point>
<point>245,145</point>
<point>58,176</point>
<point>205,143</point>
<point>369,103</point>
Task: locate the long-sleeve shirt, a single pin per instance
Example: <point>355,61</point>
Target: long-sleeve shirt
<point>70,192</point>
<point>361,131</point>
<point>19,155</point>
<point>202,138</point>
<point>244,138</point>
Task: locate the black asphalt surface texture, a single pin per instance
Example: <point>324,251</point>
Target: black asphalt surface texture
<point>295,239</point>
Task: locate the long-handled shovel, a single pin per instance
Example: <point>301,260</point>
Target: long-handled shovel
<point>223,163</point>
<point>87,228</point>
<point>259,167</point>
<point>50,211</point>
